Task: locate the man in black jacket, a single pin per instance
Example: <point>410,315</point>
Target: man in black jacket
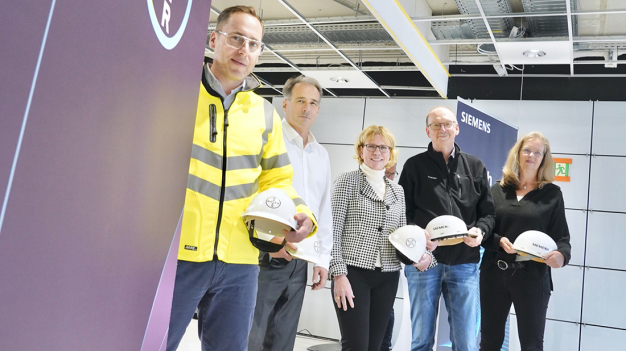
<point>446,181</point>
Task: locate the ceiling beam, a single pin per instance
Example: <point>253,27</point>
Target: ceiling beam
<point>516,15</point>
<point>493,39</point>
<point>570,36</point>
<point>398,24</point>
<point>444,18</point>
<point>323,37</point>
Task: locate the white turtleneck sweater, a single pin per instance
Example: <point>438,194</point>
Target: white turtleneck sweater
<point>377,181</point>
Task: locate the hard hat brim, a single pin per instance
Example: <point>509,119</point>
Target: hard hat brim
<point>270,224</point>
<point>533,255</point>
<point>412,256</point>
<point>452,236</point>
<point>303,256</point>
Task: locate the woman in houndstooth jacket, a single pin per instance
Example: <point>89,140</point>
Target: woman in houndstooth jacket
<point>367,207</point>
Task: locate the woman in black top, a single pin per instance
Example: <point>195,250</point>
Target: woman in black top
<point>525,199</point>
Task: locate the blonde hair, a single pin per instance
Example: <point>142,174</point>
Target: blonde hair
<point>367,134</point>
<point>511,169</point>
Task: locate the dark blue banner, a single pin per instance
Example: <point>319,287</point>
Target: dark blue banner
<point>486,137</point>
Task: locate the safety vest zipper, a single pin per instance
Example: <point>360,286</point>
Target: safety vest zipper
<point>223,187</point>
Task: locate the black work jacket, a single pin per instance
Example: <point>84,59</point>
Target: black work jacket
<point>461,189</point>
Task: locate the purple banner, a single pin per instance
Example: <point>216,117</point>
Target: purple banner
<point>92,193</point>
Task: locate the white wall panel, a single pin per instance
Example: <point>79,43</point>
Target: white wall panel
<point>405,118</point>
<point>567,294</point>
<point>561,336</point>
<point>398,309</point>
<point>605,339</point>
<point>404,154</point>
<point>607,188</point>
<point>608,118</point>
<point>567,124</point>
<point>606,240</point>
<point>341,159</point>
<point>575,191</point>
<point>576,222</point>
<point>558,336</point>
<point>318,314</point>
<point>604,302</point>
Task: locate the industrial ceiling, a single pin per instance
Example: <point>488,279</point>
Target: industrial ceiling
<point>413,48</point>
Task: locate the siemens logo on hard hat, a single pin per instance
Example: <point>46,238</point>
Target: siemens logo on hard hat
<point>172,18</point>
<point>441,227</point>
<point>475,122</point>
<point>541,247</point>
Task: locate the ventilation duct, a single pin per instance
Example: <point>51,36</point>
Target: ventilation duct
<point>500,27</point>
<point>550,26</point>
<point>475,28</point>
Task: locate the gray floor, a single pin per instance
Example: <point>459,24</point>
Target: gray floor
<point>190,341</point>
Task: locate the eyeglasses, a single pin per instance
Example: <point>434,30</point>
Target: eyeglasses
<point>391,174</point>
<point>437,126</point>
<point>372,148</point>
<point>237,41</point>
<point>527,152</point>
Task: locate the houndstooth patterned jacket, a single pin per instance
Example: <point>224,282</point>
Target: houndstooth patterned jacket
<point>362,223</point>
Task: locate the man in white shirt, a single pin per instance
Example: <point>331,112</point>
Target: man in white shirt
<point>282,278</point>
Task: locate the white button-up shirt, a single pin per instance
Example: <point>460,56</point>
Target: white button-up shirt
<point>311,179</point>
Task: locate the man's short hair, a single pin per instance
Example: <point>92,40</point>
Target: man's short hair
<point>291,82</point>
<point>434,108</point>
<point>225,15</point>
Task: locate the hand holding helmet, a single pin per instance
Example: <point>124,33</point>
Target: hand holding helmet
<point>474,237</point>
<point>423,263</point>
<point>283,253</point>
<point>554,259</point>
<point>270,213</point>
<point>304,225</point>
<point>430,245</point>
<point>410,243</point>
<point>537,245</point>
<point>308,250</point>
<point>448,230</point>
<point>507,245</point>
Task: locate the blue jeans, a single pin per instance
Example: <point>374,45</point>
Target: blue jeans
<point>225,295</point>
<point>459,286</point>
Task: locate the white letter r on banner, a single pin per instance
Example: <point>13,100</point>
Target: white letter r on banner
<point>165,20</point>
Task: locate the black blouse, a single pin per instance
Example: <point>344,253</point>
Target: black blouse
<point>541,209</point>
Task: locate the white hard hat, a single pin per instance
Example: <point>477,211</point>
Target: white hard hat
<point>449,230</point>
<point>534,243</point>
<point>308,249</point>
<point>272,211</point>
<point>410,241</point>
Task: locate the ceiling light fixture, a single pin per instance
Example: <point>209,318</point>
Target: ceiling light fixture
<point>339,80</point>
<point>534,53</point>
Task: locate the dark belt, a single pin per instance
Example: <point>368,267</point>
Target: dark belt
<point>504,265</point>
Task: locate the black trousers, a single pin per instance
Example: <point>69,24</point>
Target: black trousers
<point>528,289</point>
<point>363,327</point>
<point>279,300</point>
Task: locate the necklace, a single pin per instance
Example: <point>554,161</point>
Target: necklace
<point>524,187</point>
